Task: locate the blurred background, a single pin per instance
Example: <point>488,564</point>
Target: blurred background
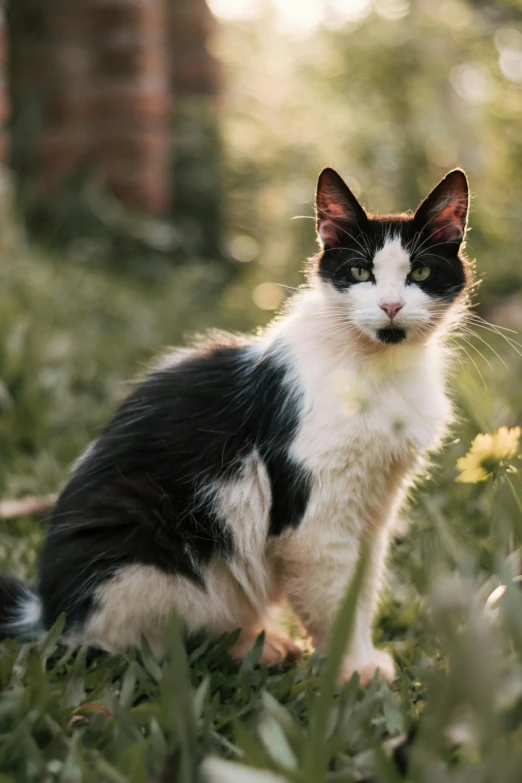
<point>156,152</point>
<point>153,157</point>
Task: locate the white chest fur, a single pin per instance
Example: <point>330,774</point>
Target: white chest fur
<point>387,405</point>
<point>367,422</point>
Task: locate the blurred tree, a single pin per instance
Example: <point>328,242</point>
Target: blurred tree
<point>94,87</point>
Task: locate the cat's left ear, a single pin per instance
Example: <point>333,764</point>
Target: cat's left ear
<point>444,213</point>
<point>339,215</point>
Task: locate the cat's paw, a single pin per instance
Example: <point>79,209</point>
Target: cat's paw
<point>277,647</point>
<point>377,661</point>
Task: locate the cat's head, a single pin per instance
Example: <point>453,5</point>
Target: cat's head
<point>392,279</point>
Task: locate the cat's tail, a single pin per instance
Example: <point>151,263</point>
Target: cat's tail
<point>20,610</point>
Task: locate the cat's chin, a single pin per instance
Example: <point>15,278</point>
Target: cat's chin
<point>392,336</point>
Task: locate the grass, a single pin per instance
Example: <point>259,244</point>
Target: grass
<point>70,336</point>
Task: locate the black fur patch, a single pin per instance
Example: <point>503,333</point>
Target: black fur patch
<point>391,336</point>
<point>13,594</point>
<point>141,495</point>
<point>357,248</point>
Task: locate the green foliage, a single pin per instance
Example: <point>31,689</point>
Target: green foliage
<point>197,207</point>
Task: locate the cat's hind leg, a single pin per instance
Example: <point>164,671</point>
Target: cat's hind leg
<point>139,601</point>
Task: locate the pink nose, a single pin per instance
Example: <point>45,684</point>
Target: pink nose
<point>391,308</point>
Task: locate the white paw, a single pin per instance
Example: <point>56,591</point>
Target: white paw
<point>376,661</point>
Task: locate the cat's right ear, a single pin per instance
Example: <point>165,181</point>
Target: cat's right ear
<point>443,214</point>
<point>339,216</point>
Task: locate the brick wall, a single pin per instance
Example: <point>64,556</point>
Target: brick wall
<point>4,99</point>
<point>131,91</point>
<point>94,85</point>
<point>191,27</point>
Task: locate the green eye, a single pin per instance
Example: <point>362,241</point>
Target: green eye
<point>420,273</point>
<point>361,274</point>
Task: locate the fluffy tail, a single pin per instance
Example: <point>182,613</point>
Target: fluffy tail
<point>20,610</point>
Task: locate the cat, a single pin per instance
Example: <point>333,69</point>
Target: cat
<point>247,470</point>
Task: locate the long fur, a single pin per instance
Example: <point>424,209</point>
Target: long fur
<point>245,470</point>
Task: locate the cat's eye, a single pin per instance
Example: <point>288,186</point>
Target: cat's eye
<point>420,273</point>
<point>361,274</point>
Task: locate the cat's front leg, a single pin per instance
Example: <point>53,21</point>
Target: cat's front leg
<point>316,576</point>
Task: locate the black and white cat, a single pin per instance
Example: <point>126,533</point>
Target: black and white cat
<point>248,469</point>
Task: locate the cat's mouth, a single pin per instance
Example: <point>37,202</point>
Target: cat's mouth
<point>391,336</point>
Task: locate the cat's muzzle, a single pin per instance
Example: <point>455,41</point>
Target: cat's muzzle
<point>391,336</point>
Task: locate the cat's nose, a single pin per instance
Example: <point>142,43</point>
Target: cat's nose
<point>391,308</point>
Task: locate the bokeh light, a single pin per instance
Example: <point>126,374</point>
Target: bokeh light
<point>267,296</point>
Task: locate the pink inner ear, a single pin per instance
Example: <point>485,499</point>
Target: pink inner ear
<point>330,214</point>
<point>335,209</point>
<point>449,223</point>
<point>328,233</point>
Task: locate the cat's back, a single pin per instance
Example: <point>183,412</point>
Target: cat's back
<point>148,489</point>
<point>171,412</point>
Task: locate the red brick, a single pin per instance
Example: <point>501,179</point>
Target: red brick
<point>198,75</point>
<point>129,64</point>
<point>104,75</point>
<point>147,195</point>
<point>4,147</point>
<point>43,70</point>
<point>191,21</point>
<point>194,69</point>
<point>5,106</point>
<point>115,148</point>
<point>70,108</point>
<point>62,147</point>
<point>191,28</point>
<point>130,104</point>
<point>3,46</point>
<point>116,21</point>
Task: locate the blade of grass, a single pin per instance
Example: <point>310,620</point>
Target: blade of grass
<point>51,640</point>
<point>178,703</point>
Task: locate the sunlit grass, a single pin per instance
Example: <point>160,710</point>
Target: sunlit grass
<point>69,339</point>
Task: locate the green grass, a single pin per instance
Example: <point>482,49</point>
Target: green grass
<point>70,337</point>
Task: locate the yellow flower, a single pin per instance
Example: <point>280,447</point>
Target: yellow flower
<point>486,453</point>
